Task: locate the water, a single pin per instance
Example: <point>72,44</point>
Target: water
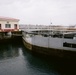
<point>15,59</point>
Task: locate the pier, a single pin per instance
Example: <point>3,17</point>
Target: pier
<point>6,37</point>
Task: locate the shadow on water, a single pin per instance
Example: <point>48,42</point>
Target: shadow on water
<point>60,66</point>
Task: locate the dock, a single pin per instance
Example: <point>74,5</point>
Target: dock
<point>10,36</point>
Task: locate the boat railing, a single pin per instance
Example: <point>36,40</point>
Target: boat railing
<point>68,35</point>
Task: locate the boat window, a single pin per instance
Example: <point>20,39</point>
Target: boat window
<point>74,37</point>
<point>73,45</point>
<point>69,36</point>
<point>45,35</point>
<point>57,35</point>
<point>65,44</point>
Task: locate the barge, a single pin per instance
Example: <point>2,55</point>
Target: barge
<point>51,42</point>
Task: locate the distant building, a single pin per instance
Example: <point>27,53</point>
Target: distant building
<point>47,27</point>
<point>9,24</point>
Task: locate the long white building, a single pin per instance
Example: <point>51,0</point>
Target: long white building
<point>46,27</point>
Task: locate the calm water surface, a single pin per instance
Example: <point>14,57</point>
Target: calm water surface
<point>16,60</point>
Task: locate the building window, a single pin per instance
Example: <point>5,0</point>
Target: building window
<point>15,26</point>
<point>7,25</point>
<point>0,26</point>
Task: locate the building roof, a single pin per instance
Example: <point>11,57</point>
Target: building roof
<point>7,19</point>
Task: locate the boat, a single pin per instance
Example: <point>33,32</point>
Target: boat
<point>51,42</point>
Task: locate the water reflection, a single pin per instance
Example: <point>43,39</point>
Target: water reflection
<point>15,59</point>
<point>9,51</point>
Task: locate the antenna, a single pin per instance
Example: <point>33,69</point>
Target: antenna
<point>50,22</point>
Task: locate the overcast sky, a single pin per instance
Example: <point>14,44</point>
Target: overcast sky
<point>59,12</point>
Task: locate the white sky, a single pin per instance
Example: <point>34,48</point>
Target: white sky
<point>59,12</point>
